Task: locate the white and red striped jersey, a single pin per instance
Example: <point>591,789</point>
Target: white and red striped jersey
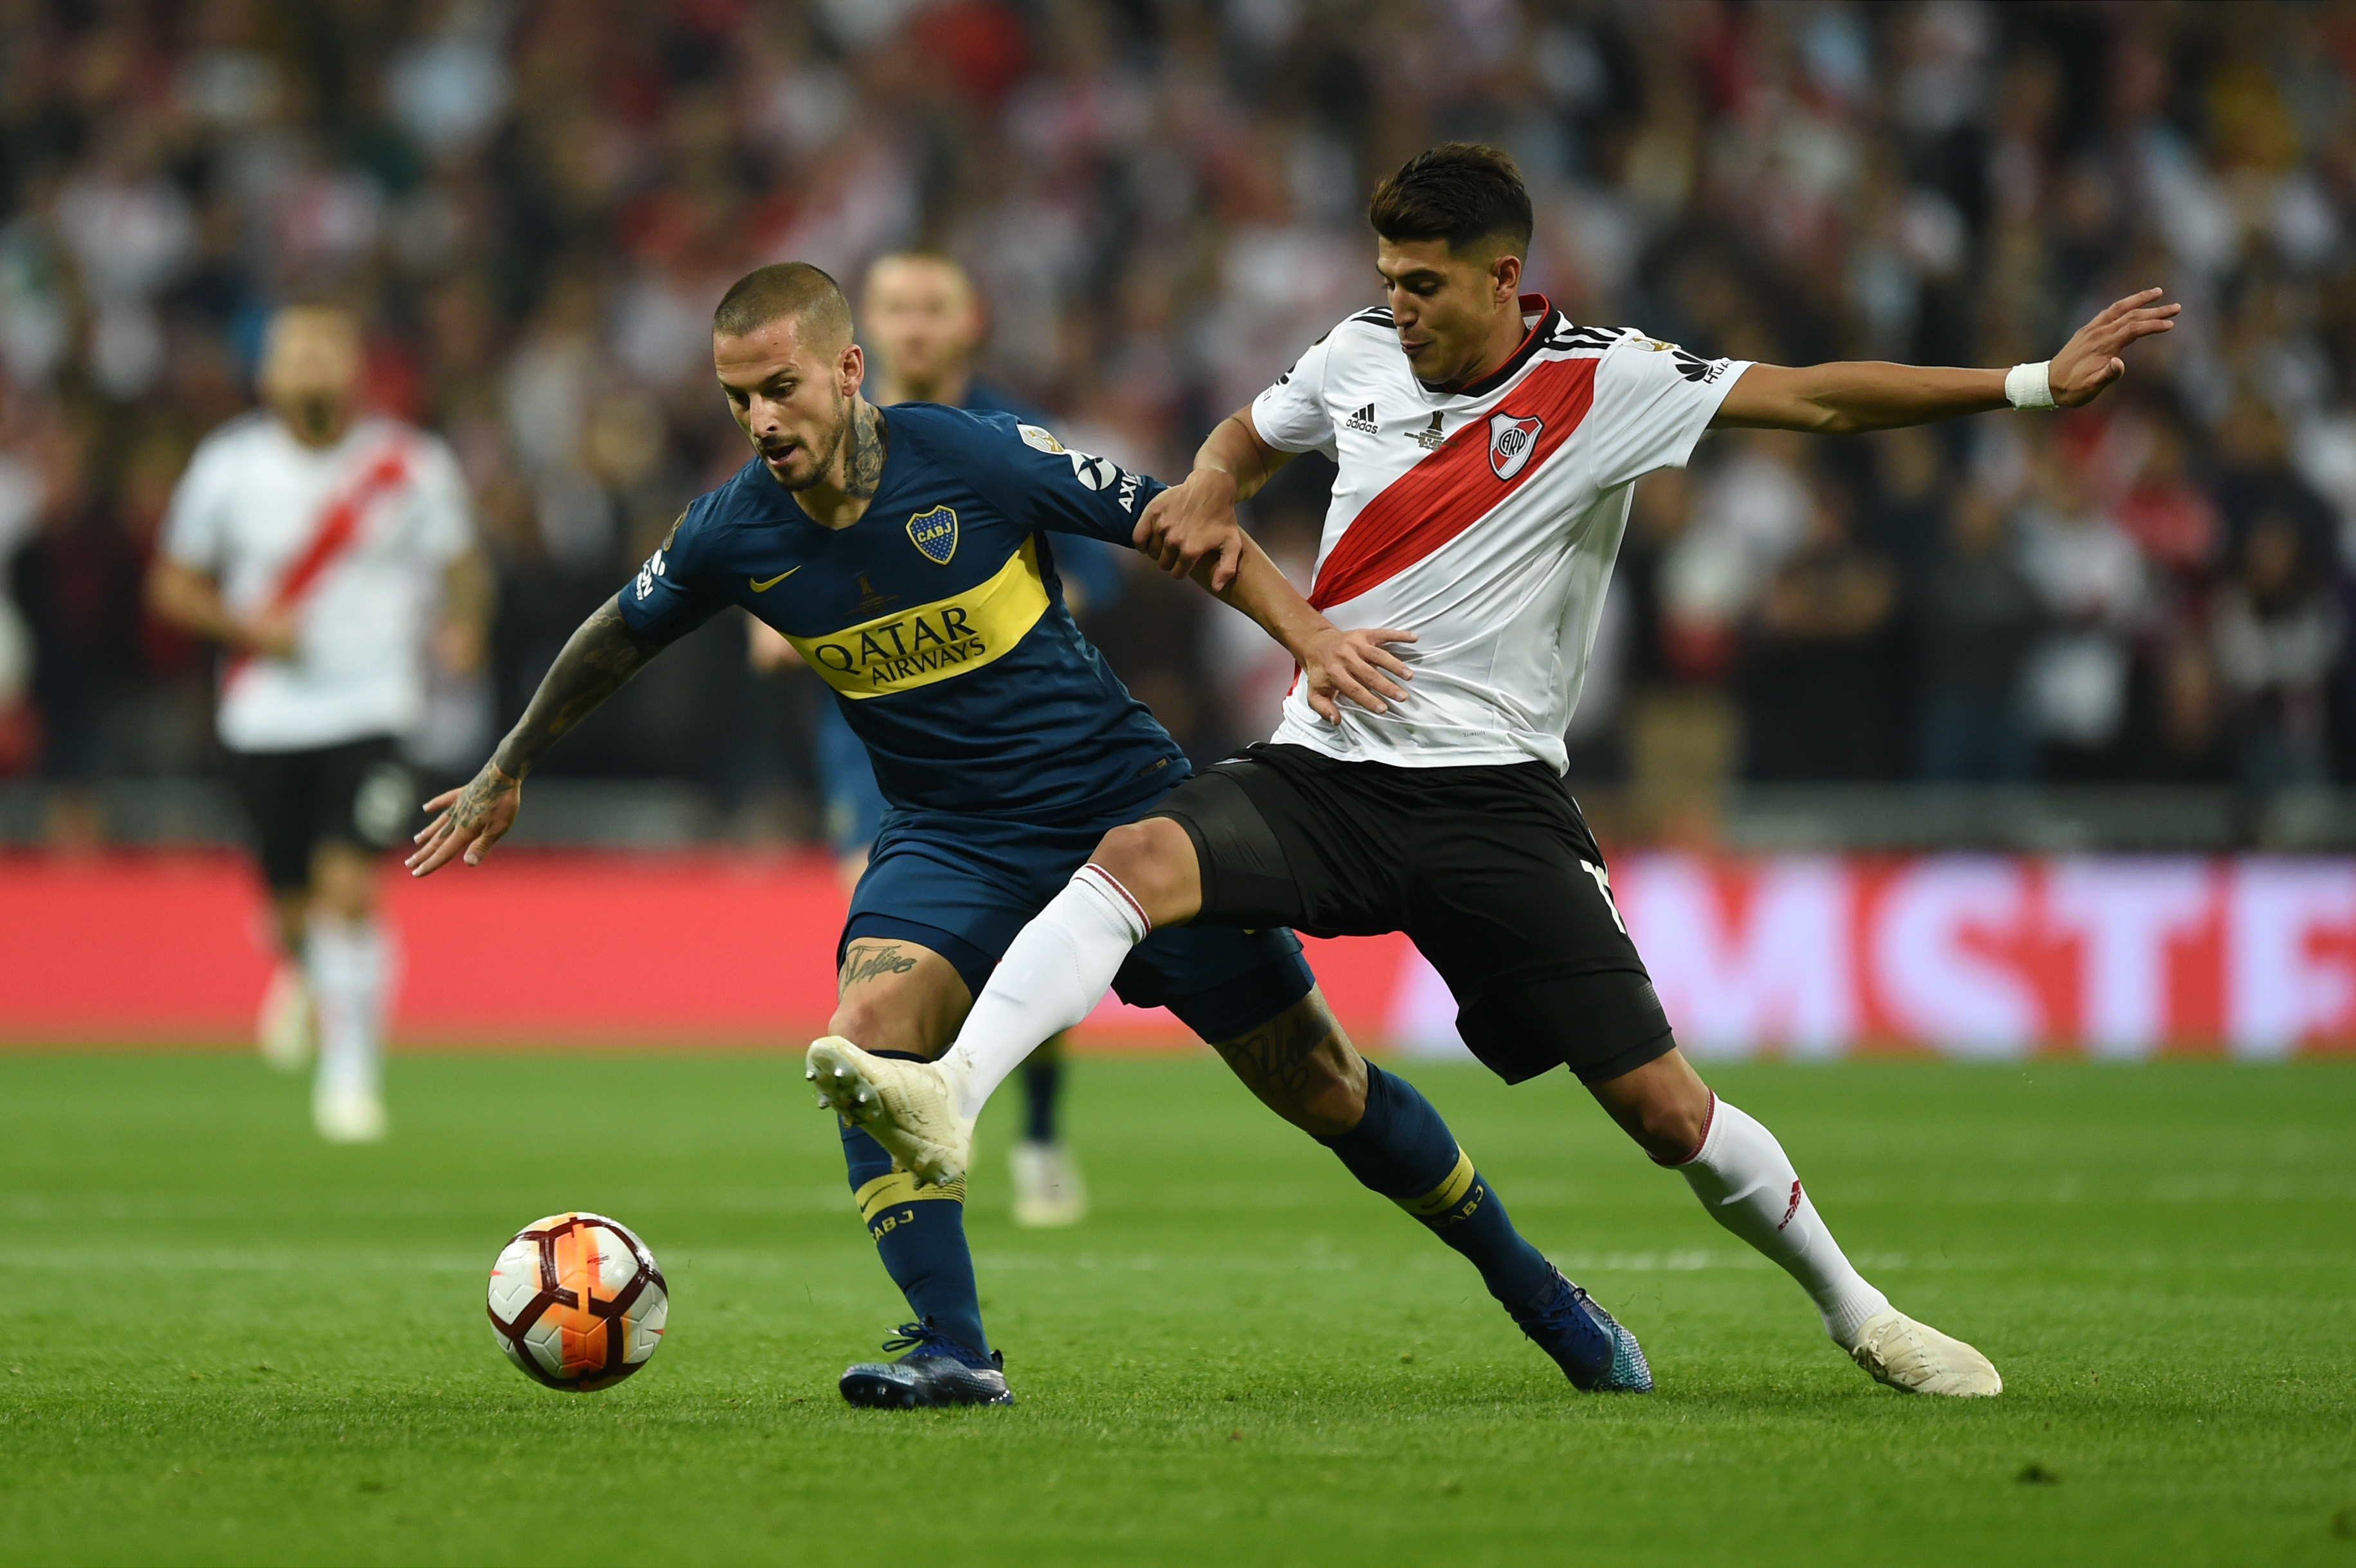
<point>352,540</point>
<point>1484,519</point>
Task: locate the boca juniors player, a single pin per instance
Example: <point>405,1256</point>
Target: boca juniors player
<point>1487,448</point>
<point>922,325</point>
<point>900,552</point>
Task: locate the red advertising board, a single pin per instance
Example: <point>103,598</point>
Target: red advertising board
<point>1794,955</point>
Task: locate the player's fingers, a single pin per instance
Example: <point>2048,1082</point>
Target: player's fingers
<point>1231,555</point>
<point>1382,658</point>
<point>430,829</point>
<point>437,855</point>
<point>1324,706</point>
<point>1347,682</point>
<point>1391,634</point>
<point>444,800</point>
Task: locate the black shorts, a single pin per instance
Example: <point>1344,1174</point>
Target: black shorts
<point>1491,871</point>
<point>356,793</point>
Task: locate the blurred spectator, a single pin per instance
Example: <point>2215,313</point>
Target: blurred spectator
<point>1977,617</point>
<point>2090,582</point>
<point>2278,635</point>
<point>1819,674</point>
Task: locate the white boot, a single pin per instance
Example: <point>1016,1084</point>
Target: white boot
<point>287,1028</point>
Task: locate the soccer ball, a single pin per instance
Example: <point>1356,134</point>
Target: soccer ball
<point>578,1302</point>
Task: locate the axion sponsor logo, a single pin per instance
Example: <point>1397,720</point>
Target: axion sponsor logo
<point>1091,470</point>
<point>1511,438</point>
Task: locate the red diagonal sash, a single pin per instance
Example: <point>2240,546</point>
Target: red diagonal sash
<point>338,529</point>
<point>1446,493</point>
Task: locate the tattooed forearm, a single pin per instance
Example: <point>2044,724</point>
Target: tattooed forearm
<point>866,961</point>
<point>598,657</point>
<point>863,470</point>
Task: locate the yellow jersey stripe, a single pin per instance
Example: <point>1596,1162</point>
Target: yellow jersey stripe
<point>932,643</point>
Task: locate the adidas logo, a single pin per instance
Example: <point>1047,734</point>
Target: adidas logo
<point>1363,421</point>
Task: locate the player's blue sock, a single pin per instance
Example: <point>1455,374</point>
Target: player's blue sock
<point>1041,1081</point>
<point>920,1234</point>
<point>1403,1150</point>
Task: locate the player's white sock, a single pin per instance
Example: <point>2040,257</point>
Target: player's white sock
<point>1052,975</point>
<point>350,964</point>
<point>1746,1181</point>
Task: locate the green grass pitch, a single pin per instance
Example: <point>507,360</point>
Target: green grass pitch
<point>228,1343</point>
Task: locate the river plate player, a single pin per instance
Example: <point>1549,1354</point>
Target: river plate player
<point>906,555</point>
<point>1486,449</point>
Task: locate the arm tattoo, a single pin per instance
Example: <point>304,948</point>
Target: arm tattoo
<point>1276,1056</point>
<point>864,472</point>
<point>599,657</point>
<point>866,963</point>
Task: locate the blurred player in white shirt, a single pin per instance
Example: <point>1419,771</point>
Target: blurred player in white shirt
<point>331,554</point>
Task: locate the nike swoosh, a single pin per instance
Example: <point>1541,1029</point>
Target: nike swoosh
<point>764,588</point>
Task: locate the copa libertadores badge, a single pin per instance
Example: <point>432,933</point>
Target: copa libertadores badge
<point>936,533</point>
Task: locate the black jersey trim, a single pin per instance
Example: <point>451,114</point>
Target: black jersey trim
<point>1379,315</point>
<point>1533,339</point>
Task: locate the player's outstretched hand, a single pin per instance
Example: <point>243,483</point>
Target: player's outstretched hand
<point>2090,360</point>
<point>471,821</point>
<point>1354,664</point>
<point>1190,523</point>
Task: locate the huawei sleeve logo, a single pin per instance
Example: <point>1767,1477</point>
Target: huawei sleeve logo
<point>1694,367</point>
<point>1511,438</point>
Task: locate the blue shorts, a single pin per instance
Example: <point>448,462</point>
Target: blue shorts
<point>964,886</point>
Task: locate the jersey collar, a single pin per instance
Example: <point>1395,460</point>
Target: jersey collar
<point>1538,313</point>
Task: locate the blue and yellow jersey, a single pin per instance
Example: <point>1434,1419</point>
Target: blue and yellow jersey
<point>938,618</point>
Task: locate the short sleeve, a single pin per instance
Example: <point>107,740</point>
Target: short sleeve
<point>1653,402</point>
<point>193,522</point>
<point>668,598</point>
<point>1290,415</point>
<point>446,509</point>
<point>1041,483</point>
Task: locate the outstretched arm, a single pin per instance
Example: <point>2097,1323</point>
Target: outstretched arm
<point>1353,664</point>
<point>597,658</point>
<point>1194,521</point>
<point>1850,396</point>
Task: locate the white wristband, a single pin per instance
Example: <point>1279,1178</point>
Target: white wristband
<point>2028,386</point>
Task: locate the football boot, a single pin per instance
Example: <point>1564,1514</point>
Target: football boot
<point>908,1107</point>
<point>1916,1358</point>
<point>936,1370</point>
<point>1588,1342</point>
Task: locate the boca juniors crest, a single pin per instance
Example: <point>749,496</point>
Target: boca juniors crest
<point>1511,438</point>
<point>935,532</point>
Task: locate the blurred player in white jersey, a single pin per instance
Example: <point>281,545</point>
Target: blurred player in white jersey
<point>330,554</point>
<point>923,325</point>
<point>1487,448</point>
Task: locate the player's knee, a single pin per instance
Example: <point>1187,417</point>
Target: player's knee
<point>1144,859</point>
<point>874,1024</point>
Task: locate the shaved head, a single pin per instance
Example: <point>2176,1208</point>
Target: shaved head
<point>782,290</point>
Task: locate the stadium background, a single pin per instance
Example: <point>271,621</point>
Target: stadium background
<point>2022,732</point>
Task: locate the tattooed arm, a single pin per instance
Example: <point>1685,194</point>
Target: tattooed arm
<point>598,657</point>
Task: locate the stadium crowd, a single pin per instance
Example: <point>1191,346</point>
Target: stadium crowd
<point>534,205</point>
